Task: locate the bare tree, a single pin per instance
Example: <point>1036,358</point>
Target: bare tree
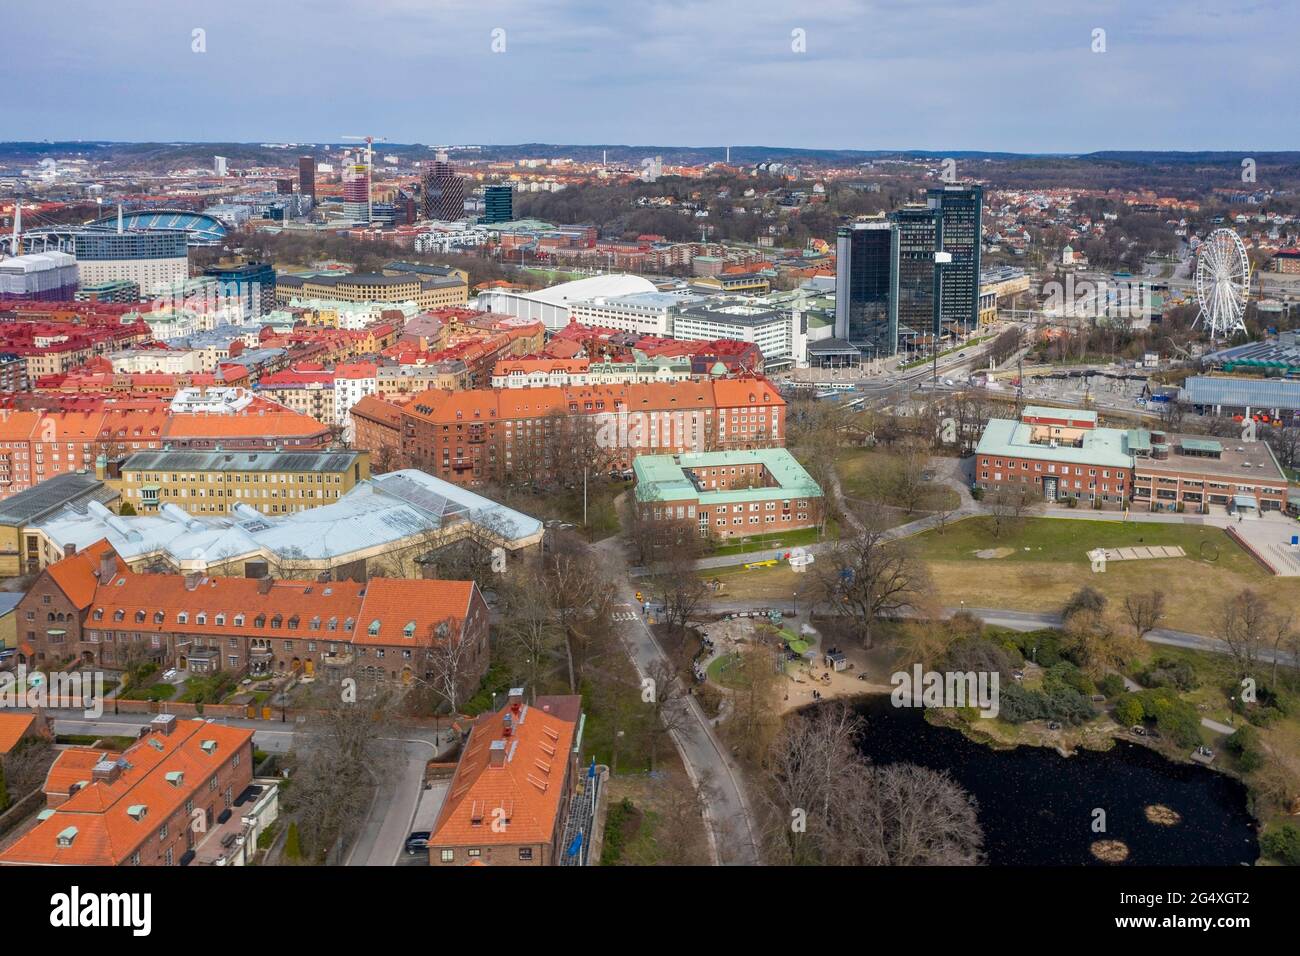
<point>1007,504</point>
<point>868,575</point>
<point>905,486</point>
<point>530,627</point>
<point>1243,624</point>
<point>1145,611</point>
<point>668,705</point>
<point>340,754</point>
<point>451,663</point>
<point>829,806</point>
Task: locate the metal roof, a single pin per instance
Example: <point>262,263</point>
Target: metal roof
<point>1240,392</point>
<point>296,461</point>
<point>375,513</point>
<point>664,478</point>
<point>73,489</point>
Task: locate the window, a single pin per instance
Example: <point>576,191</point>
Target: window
<point>525,853</point>
<point>448,855</point>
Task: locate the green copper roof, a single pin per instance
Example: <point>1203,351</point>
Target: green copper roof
<point>664,478</point>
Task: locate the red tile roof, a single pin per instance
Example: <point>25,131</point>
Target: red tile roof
<point>525,791</point>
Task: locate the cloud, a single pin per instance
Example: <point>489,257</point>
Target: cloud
<point>954,74</point>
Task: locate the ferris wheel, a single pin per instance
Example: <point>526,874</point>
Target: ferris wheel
<point>1222,283</point>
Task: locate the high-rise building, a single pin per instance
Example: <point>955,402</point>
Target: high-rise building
<point>356,191</point>
<point>307,176</point>
<point>920,230</point>
<point>152,259</point>
<point>443,192</point>
<point>219,165</point>
<point>498,203</point>
<point>253,283</point>
<point>961,214</point>
<point>866,287</point>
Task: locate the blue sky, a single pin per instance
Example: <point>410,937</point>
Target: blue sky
<point>1017,75</point>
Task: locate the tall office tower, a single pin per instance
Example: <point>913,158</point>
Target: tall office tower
<point>443,192</point>
<point>498,203</point>
<point>961,211</point>
<point>307,176</point>
<point>356,191</point>
<point>920,231</point>
<point>866,287</point>
<point>219,165</point>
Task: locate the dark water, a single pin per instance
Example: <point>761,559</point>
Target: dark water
<point>1036,807</point>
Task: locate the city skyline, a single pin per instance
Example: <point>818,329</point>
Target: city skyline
<point>881,76</point>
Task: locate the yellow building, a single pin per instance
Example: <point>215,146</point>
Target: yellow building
<point>21,552</point>
<point>213,483</point>
<point>427,292</point>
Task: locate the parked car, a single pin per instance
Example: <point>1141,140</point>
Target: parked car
<point>417,841</point>
<point>1138,730</point>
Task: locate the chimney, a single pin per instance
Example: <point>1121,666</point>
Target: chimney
<point>497,754</point>
<point>69,550</point>
<point>509,725</point>
<point>106,771</point>
<point>264,585</point>
<point>515,698</point>
<point>163,724</point>
<point>192,580</point>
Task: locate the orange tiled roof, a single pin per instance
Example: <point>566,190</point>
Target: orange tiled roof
<point>528,786</point>
<point>106,833</point>
<point>338,610</point>
<point>12,729</point>
<point>285,424</point>
<point>72,767</point>
<point>78,576</point>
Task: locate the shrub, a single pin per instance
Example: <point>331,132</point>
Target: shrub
<point>293,843</point>
<point>1282,844</point>
<point>1167,672</point>
<point>1112,685</point>
<point>1129,710</point>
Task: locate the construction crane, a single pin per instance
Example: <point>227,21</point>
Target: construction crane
<point>370,170</point>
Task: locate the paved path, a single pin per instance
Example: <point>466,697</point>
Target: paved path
<point>729,822</point>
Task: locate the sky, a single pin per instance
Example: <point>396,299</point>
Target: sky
<point>1000,75</point>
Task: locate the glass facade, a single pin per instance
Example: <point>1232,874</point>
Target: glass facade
<point>92,245</point>
<point>919,237</point>
<point>866,287</point>
<point>961,215</point>
<point>498,203</point>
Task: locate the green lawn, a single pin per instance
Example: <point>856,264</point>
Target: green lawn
<point>866,473</point>
<point>1065,539</point>
<point>160,691</point>
<point>765,542</point>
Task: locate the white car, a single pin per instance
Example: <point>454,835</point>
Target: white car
<point>169,674</point>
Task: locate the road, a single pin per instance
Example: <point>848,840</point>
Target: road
<point>729,821</point>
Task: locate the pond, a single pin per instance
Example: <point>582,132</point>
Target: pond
<point>1037,807</point>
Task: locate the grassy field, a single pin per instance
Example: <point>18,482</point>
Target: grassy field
<point>1048,562</point>
<point>778,583</point>
<point>866,472</point>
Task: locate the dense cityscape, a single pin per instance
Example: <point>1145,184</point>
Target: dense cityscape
<point>391,504</point>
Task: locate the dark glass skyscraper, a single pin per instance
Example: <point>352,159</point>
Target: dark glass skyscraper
<point>961,217</point>
<point>866,287</point>
<point>920,230</point>
<point>307,176</point>
<point>442,192</point>
<point>498,203</point>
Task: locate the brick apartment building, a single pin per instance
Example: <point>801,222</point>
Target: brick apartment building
<point>1063,454</point>
<point>729,493</point>
<point>138,807</point>
<point>485,435</point>
<point>508,800</point>
<point>91,608</point>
